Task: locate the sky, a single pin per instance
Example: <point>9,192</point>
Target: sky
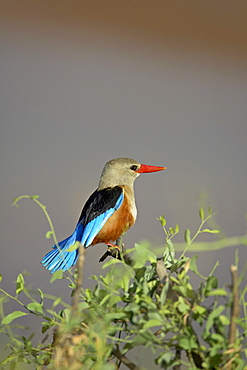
<point>72,98</point>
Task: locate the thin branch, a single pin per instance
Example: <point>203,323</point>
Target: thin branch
<point>79,282</point>
<point>126,256</point>
<point>234,311</point>
<point>177,357</point>
<point>235,305</point>
<point>43,207</point>
<point>124,360</point>
<point>65,354</point>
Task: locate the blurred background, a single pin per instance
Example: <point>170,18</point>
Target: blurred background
<point>83,82</point>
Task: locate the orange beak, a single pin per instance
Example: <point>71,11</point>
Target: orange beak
<point>146,168</point>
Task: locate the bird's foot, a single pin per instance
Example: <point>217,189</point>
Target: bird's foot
<point>112,250</point>
<point>113,246</point>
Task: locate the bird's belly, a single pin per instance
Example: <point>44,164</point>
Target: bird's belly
<point>116,225</point>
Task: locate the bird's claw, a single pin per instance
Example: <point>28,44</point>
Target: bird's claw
<point>113,246</point>
<point>112,250</point>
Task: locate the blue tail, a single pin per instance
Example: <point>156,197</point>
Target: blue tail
<point>58,258</point>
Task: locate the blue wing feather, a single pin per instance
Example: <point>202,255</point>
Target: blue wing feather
<point>58,258</point>
<point>94,226</point>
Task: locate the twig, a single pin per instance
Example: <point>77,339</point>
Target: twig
<point>234,311</point>
<point>126,256</point>
<point>124,360</point>
<point>65,354</point>
<point>35,199</point>
<point>235,305</point>
<point>79,281</point>
<point>177,357</point>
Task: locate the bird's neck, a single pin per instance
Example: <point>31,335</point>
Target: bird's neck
<point>129,192</point>
<point>110,183</point>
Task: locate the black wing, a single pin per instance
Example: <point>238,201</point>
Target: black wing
<point>100,202</point>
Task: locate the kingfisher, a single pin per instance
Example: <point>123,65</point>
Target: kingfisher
<point>108,213</point>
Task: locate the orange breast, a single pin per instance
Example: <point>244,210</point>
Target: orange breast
<point>116,225</point>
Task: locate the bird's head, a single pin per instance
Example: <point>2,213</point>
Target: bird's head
<point>124,171</point>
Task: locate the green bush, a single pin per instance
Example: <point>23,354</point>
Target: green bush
<point>149,302</point>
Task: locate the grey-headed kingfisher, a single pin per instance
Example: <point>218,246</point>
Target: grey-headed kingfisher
<point>109,212</point>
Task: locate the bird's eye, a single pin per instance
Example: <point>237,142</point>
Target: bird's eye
<point>133,168</point>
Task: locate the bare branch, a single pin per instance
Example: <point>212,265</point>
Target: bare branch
<point>177,357</point>
<point>234,312</point>
<point>65,354</point>
<point>235,305</point>
<point>79,282</point>
<point>124,360</point>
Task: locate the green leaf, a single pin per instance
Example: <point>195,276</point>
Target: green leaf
<point>15,200</point>
<point>193,266</point>
<point>138,340</point>
<point>187,236</point>
<point>152,257</point>
<point>142,255</point>
<point>211,283</point>
<point>178,264</point>
<point>115,316</point>
<point>106,367</point>
<point>73,247</point>
<point>224,320</point>
<point>9,358</point>
<point>213,315</point>
<point>49,234</point>
<point>201,214</point>
<point>162,220</point>
<point>105,299</point>
<point>111,262</point>
<point>217,337</point>
<point>113,300</point>
<point>67,312</point>
<point>200,310</point>
<point>56,302</point>
<point>182,306</point>
<point>19,284</point>
<point>164,291</point>
<point>164,358</point>
<point>41,295</point>
<point>125,282</point>
<point>12,316</point>
<point>171,230</point>
<point>154,315</point>
<point>185,291</point>
<point>169,254</point>
<point>1,277</point>
<point>45,328</point>
<point>217,292</point>
<point>152,323</point>
<point>57,275</point>
<point>187,343</point>
<point>35,307</point>
<point>34,196</point>
<point>210,231</point>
